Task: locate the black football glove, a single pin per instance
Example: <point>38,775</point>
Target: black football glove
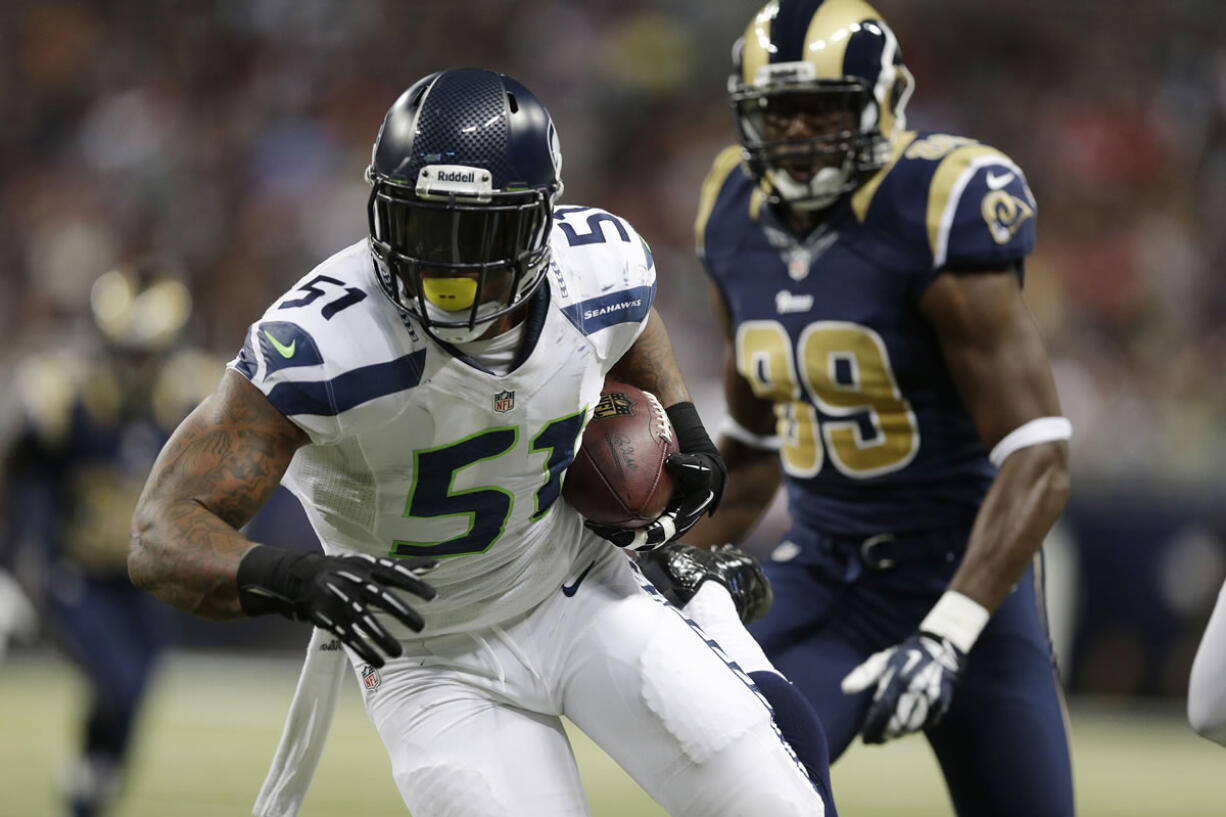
<point>337,593</point>
<point>678,570</point>
<point>700,476</point>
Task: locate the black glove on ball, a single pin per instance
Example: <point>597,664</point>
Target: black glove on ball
<point>700,476</point>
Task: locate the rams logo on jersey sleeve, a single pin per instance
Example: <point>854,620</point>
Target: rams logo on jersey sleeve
<point>1003,211</point>
<point>960,203</point>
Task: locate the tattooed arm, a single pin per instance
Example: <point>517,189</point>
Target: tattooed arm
<point>650,365</point>
<point>220,466</point>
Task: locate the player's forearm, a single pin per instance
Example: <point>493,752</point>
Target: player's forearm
<point>753,479</point>
<point>651,366</point>
<point>217,470</point>
<point>1023,503</point>
<point>188,557</point>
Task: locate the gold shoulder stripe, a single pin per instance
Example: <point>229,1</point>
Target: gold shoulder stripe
<point>948,173</point>
<point>756,199</point>
<point>862,198</point>
<point>727,161</point>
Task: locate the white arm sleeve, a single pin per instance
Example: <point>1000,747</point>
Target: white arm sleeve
<point>1207,682</point>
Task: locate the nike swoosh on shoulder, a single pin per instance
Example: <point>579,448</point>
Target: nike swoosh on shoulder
<point>286,351</point>
<point>569,590</point>
<point>997,182</point>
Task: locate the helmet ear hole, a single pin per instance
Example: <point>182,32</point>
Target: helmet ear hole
<point>512,103</point>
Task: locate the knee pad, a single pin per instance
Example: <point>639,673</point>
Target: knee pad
<point>448,790</point>
<point>702,701</point>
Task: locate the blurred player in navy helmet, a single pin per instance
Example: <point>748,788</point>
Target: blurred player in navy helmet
<point>883,365</point>
<point>423,392</point>
<point>95,415</point>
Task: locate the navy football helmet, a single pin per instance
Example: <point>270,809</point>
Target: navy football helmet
<point>819,90</point>
<point>464,175</point>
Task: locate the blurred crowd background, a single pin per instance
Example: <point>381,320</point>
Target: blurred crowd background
<point>229,138</point>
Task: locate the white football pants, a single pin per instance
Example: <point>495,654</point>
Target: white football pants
<point>472,723</point>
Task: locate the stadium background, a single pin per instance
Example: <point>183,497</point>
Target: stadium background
<point>232,135</point>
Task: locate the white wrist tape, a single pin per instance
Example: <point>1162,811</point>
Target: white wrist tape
<point>958,618</point>
<point>1039,430</point>
<point>738,432</point>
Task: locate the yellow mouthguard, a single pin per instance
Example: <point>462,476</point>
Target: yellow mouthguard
<point>452,294</point>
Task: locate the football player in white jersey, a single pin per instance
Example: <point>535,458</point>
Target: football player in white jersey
<point>1206,691</point>
<point>422,392</point>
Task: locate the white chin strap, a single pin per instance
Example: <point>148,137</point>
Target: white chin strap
<point>820,191</point>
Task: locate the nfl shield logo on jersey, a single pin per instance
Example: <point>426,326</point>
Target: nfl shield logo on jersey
<point>370,678</point>
<point>504,401</point>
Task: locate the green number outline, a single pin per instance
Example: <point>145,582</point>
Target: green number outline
<point>540,513</point>
<point>472,515</point>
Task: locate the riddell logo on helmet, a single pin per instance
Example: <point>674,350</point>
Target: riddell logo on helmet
<point>439,181</point>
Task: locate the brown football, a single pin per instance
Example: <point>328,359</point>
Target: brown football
<point>618,476</point>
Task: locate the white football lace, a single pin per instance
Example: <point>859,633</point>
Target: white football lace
<point>664,428</point>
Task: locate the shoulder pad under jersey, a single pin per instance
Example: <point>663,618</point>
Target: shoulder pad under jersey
<point>951,201</point>
<point>603,277</point>
<point>330,346</point>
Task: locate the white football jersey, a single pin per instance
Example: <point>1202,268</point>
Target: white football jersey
<point>416,451</point>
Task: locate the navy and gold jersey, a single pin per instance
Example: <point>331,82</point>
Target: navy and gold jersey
<point>874,437</point>
<point>91,429</point>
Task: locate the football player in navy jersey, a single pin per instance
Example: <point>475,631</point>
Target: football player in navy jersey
<point>94,416</point>
<point>883,365</point>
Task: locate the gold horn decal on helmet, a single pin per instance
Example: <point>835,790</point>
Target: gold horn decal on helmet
<point>893,90</point>
<point>831,27</point>
<point>758,46</point>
